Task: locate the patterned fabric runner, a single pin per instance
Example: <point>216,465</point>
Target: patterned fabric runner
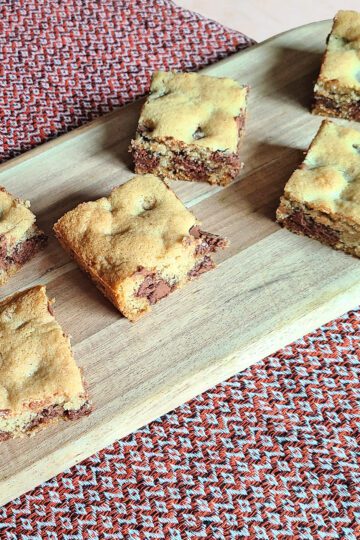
<point>273,453</point>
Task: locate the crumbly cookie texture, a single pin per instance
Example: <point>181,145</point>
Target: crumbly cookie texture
<point>190,128</point>
<point>337,90</point>
<point>20,238</point>
<point>322,197</point>
<point>40,382</point>
<point>139,244</point>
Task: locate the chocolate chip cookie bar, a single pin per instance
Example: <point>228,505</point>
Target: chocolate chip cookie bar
<point>337,90</point>
<point>190,128</point>
<point>322,197</point>
<point>138,244</point>
<point>39,380</point>
<point>20,238</point>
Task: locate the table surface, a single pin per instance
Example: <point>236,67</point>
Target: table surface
<point>262,19</point>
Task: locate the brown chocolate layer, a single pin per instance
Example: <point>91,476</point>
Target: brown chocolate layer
<point>153,288</point>
<point>301,223</point>
<point>334,108</point>
<point>209,242</point>
<point>195,169</point>
<point>46,415</point>
<point>22,252</point>
<point>55,411</point>
<point>201,267</point>
<point>192,168</point>
<point>180,161</point>
<point>202,170</point>
<point>144,160</point>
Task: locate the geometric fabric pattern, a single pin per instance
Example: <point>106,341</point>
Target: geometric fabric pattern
<point>272,453</point>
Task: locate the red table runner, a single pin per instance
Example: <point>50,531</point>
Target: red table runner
<point>273,453</point>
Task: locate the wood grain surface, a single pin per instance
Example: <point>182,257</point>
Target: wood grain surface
<point>262,19</point>
<point>270,287</point>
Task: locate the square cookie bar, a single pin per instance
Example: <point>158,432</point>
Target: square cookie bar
<point>39,380</point>
<point>190,128</point>
<point>20,238</point>
<point>337,90</point>
<point>322,197</point>
<point>139,244</point>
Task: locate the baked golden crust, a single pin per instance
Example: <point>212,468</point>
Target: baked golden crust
<point>15,217</point>
<point>141,224</point>
<point>37,369</point>
<point>328,180</point>
<point>20,238</point>
<point>184,105</point>
<point>142,229</point>
<point>322,197</point>
<point>340,70</point>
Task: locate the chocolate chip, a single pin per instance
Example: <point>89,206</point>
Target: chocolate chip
<point>209,242</point>
<point>146,127</point>
<point>201,267</point>
<point>25,250</point>
<point>154,288</point>
<point>198,134</point>
<point>85,410</point>
<point>195,231</point>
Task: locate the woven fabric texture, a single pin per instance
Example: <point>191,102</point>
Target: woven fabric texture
<point>273,453</point>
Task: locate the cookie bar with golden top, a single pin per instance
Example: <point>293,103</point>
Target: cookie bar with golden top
<point>20,238</point>
<point>322,197</point>
<point>337,90</point>
<point>190,128</point>
<point>39,380</point>
<point>138,244</point>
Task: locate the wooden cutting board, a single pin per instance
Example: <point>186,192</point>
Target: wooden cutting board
<point>270,288</point>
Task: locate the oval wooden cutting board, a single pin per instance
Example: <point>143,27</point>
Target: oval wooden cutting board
<point>270,288</point>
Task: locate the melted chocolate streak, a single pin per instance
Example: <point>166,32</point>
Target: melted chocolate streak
<point>47,414</point>
<point>155,288</point>
<point>351,109</point>
<point>22,251</point>
<point>299,222</point>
